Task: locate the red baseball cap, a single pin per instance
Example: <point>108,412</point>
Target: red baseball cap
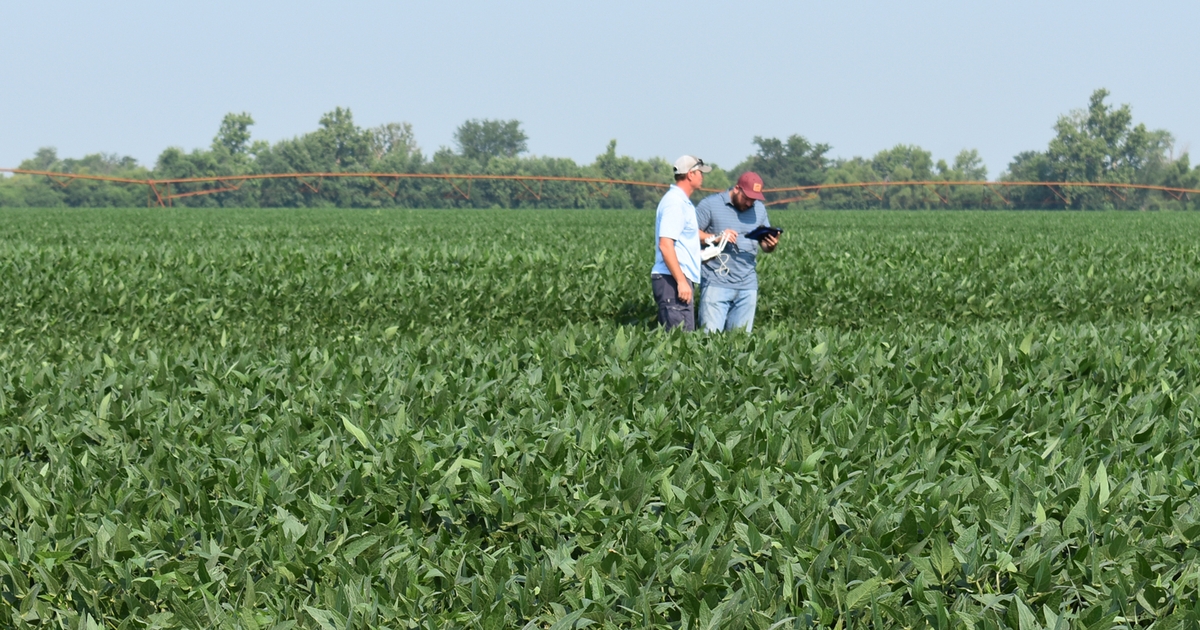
<point>751,185</point>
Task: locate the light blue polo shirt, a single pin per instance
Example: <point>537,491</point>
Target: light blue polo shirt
<point>716,214</point>
<point>676,219</point>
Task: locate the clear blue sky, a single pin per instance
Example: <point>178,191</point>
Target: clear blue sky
<point>661,78</point>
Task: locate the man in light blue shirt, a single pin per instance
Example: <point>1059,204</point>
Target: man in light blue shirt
<point>677,247</point>
<point>729,283</point>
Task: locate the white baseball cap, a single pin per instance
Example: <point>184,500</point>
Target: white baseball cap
<point>688,163</point>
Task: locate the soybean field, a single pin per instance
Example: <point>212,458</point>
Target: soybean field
<point>332,419</point>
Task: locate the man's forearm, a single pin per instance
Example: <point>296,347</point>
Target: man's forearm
<point>704,236</point>
<point>667,247</point>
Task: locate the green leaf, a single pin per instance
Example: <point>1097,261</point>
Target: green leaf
<point>1052,620</point>
<point>102,412</point>
<point>753,537</point>
<point>810,462</point>
<point>1076,520</point>
<point>669,491</point>
<point>1051,446</point>
<point>1101,482</point>
<point>786,522</point>
<point>942,557</point>
<point>292,527</point>
<point>122,550</point>
<point>863,593</point>
<point>571,621</point>
<point>1025,616</point>
<point>326,619</point>
<point>357,433</point>
<point>357,546</point>
<point>1026,344</point>
<point>992,601</point>
<point>35,506</point>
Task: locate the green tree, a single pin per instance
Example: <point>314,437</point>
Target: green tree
<point>903,163</point>
<point>906,163</point>
<point>853,170</point>
<point>45,159</point>
<point>609,165</point>
<point>40,191</point>
<point>1029,166</point>
<point>339,144</point>
<point>230,153</point>
<point>483,140</point>
<point>968,167</point>
<point>1101,144</point>
<point>392,139</point>
<point>234,135</point>
<point>794,162</point>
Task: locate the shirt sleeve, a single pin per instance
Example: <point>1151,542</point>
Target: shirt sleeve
<point>671,222</point>
<point>704,215</point>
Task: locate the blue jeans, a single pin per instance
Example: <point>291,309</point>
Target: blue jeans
<point>727,309</point>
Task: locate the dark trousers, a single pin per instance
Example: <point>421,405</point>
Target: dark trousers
<point>672,312</point>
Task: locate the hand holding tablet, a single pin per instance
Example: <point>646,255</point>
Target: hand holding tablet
<point>763,231</point>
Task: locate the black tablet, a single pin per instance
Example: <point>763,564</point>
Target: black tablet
<point>763,231</point>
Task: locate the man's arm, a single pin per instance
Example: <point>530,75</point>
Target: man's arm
<point>704,219</point>
<point>666,245</point>
<point>704,236</point>
<point>770,241</point>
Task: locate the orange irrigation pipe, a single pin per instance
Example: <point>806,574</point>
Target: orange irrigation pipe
<point>65,178</point>
<point>1177,193</point>
<point>164,196</point>
<point>56,176</point>
<point>978,183</point>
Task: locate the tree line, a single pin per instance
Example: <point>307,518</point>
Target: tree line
<point>1098,144</point>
